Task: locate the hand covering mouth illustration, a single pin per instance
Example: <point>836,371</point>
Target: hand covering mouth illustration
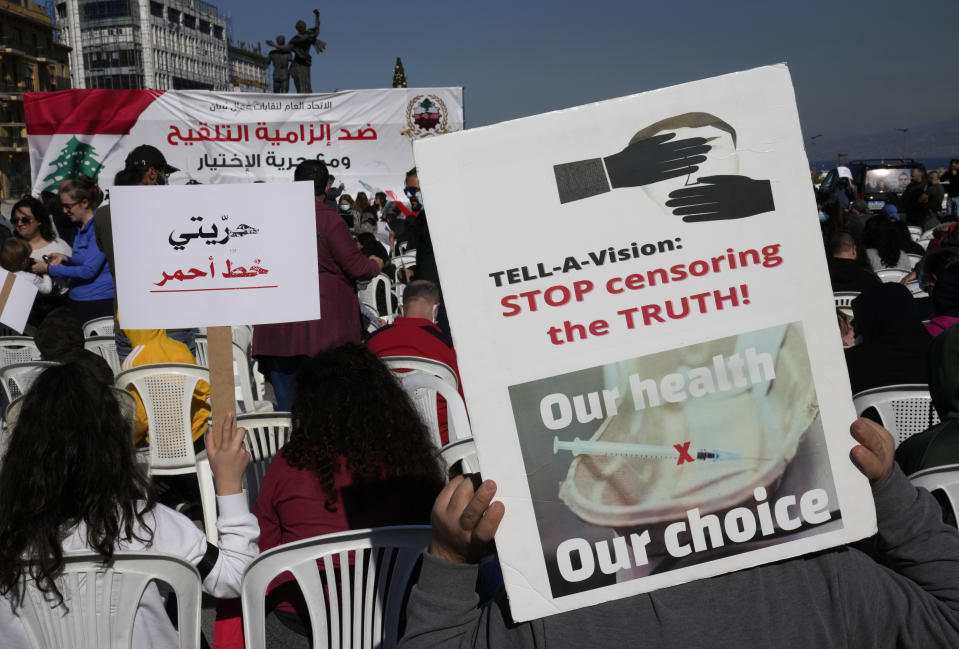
<point>663,159</point>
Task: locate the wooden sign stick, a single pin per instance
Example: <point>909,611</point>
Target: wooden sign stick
<point>5,291</point>
<point>222,391</point>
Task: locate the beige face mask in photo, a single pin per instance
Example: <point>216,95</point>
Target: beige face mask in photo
<point>762,423</point>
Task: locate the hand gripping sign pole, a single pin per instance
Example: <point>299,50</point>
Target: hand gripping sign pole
<point>214,256</point>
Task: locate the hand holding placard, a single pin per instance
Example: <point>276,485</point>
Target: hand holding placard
<point>464,522</point>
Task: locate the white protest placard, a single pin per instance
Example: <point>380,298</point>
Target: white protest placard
<point>17,295</point>
<point>215,255</point>
<point>645,327</point>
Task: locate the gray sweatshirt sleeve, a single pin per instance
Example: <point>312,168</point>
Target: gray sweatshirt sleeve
<point>444,611</point>
<point>912,600</point>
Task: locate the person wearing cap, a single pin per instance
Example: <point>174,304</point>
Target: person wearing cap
<point>144,165</point>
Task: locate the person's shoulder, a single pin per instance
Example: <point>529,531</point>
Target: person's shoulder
<point>438,333</point>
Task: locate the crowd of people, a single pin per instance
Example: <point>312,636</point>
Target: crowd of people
<point>359,456</point>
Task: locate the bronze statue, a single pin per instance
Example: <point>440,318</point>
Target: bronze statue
<point>302,61</point>
<point>280,57</point>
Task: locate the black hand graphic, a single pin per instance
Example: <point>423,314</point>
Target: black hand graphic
<point>722,197</point>
<point>656,158</point>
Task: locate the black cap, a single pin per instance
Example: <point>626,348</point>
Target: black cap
<point>149,156</point>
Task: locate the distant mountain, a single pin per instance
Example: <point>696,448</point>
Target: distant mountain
<point>926,142</point>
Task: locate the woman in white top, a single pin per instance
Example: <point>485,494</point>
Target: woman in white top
<point>32,223</point>
<point>70,483</point>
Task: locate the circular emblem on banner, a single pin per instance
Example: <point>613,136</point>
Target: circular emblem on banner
<point>426,115</point>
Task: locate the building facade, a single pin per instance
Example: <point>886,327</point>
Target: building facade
<point>248,69</point>
<point>145,44</point>
<point>31,60</point>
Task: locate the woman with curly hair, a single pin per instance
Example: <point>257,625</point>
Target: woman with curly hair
<point>358,457</point>
<point>70,483</point>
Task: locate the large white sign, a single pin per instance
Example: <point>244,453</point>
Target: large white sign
<point>647,334</point>
<point>215,255</point>
<point>364,136</point>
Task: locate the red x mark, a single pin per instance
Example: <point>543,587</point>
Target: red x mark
<point>684,455</point>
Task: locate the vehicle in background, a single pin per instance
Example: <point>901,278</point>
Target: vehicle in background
<point>877,181</point>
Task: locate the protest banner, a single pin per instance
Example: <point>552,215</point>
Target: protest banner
<point>214,256</point>
<point>364,136</point>
<point>647,337</point>
<point>17,295</point>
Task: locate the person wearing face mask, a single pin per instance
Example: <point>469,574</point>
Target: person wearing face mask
<point>346,211</point>
<point>415,333</point>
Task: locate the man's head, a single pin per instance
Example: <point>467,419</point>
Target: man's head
<point>843,246</point>
<point>954,164</point>
<point>281,40</point>
<point>933,177</point>
<point>300,26</point>
<point>145,165</point>
<point>412,179</point>
<point>421,299</point>
<point>916,176</point>
<point>859,206</point>
<point>316,171</point>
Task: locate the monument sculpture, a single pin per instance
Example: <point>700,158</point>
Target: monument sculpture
<point>299,48</point>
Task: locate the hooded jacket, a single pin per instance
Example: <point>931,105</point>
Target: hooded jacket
<point>154,346</point>
<point>938,445</point>
<point>894,342</point>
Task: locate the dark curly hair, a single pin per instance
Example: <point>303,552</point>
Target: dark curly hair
<point>348,404</point>
<point>70,460</point>
<point>40,215</point>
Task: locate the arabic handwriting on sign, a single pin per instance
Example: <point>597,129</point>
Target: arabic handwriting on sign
<point>211,236</point>
<point>232,272</point>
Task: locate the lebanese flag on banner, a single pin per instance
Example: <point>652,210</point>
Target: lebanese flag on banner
<point>92,112</point>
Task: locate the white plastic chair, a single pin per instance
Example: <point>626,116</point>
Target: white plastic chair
<point>166,390</point>
<point>379,285</point>
<point>915,232</point>
<point>422,389</point>
<point>904,410</point>
<point>265,436</point>
<point>916,289</point>
<point>18,378</point>
<point>421,364</point>
<point>98,327</point>
<point>105,347</point>
<point>242,375</point>
<point>463,450</point>
<point>102,601</point>
<point>944,479</point>
<point>843,300</point>
<point>18,349</point>
<point>364,594</point>
<point>891,274</point>
<point>913,259</point>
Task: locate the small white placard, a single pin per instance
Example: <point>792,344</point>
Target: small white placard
<point>17,309</point>
<point>215,255</point>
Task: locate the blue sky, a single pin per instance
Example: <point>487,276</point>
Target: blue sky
<point>858,67</point>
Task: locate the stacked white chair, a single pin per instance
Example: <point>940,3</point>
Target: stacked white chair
<point>18,377</point>
<point>102,601</point>
<point>166,391</point>
<point>106,348</point>
<point>98,327</point>
<point>903,410</point>
<point>892,274</point>
<point>945,480</point>
<point>18,349</point>
<point>265,436</point>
